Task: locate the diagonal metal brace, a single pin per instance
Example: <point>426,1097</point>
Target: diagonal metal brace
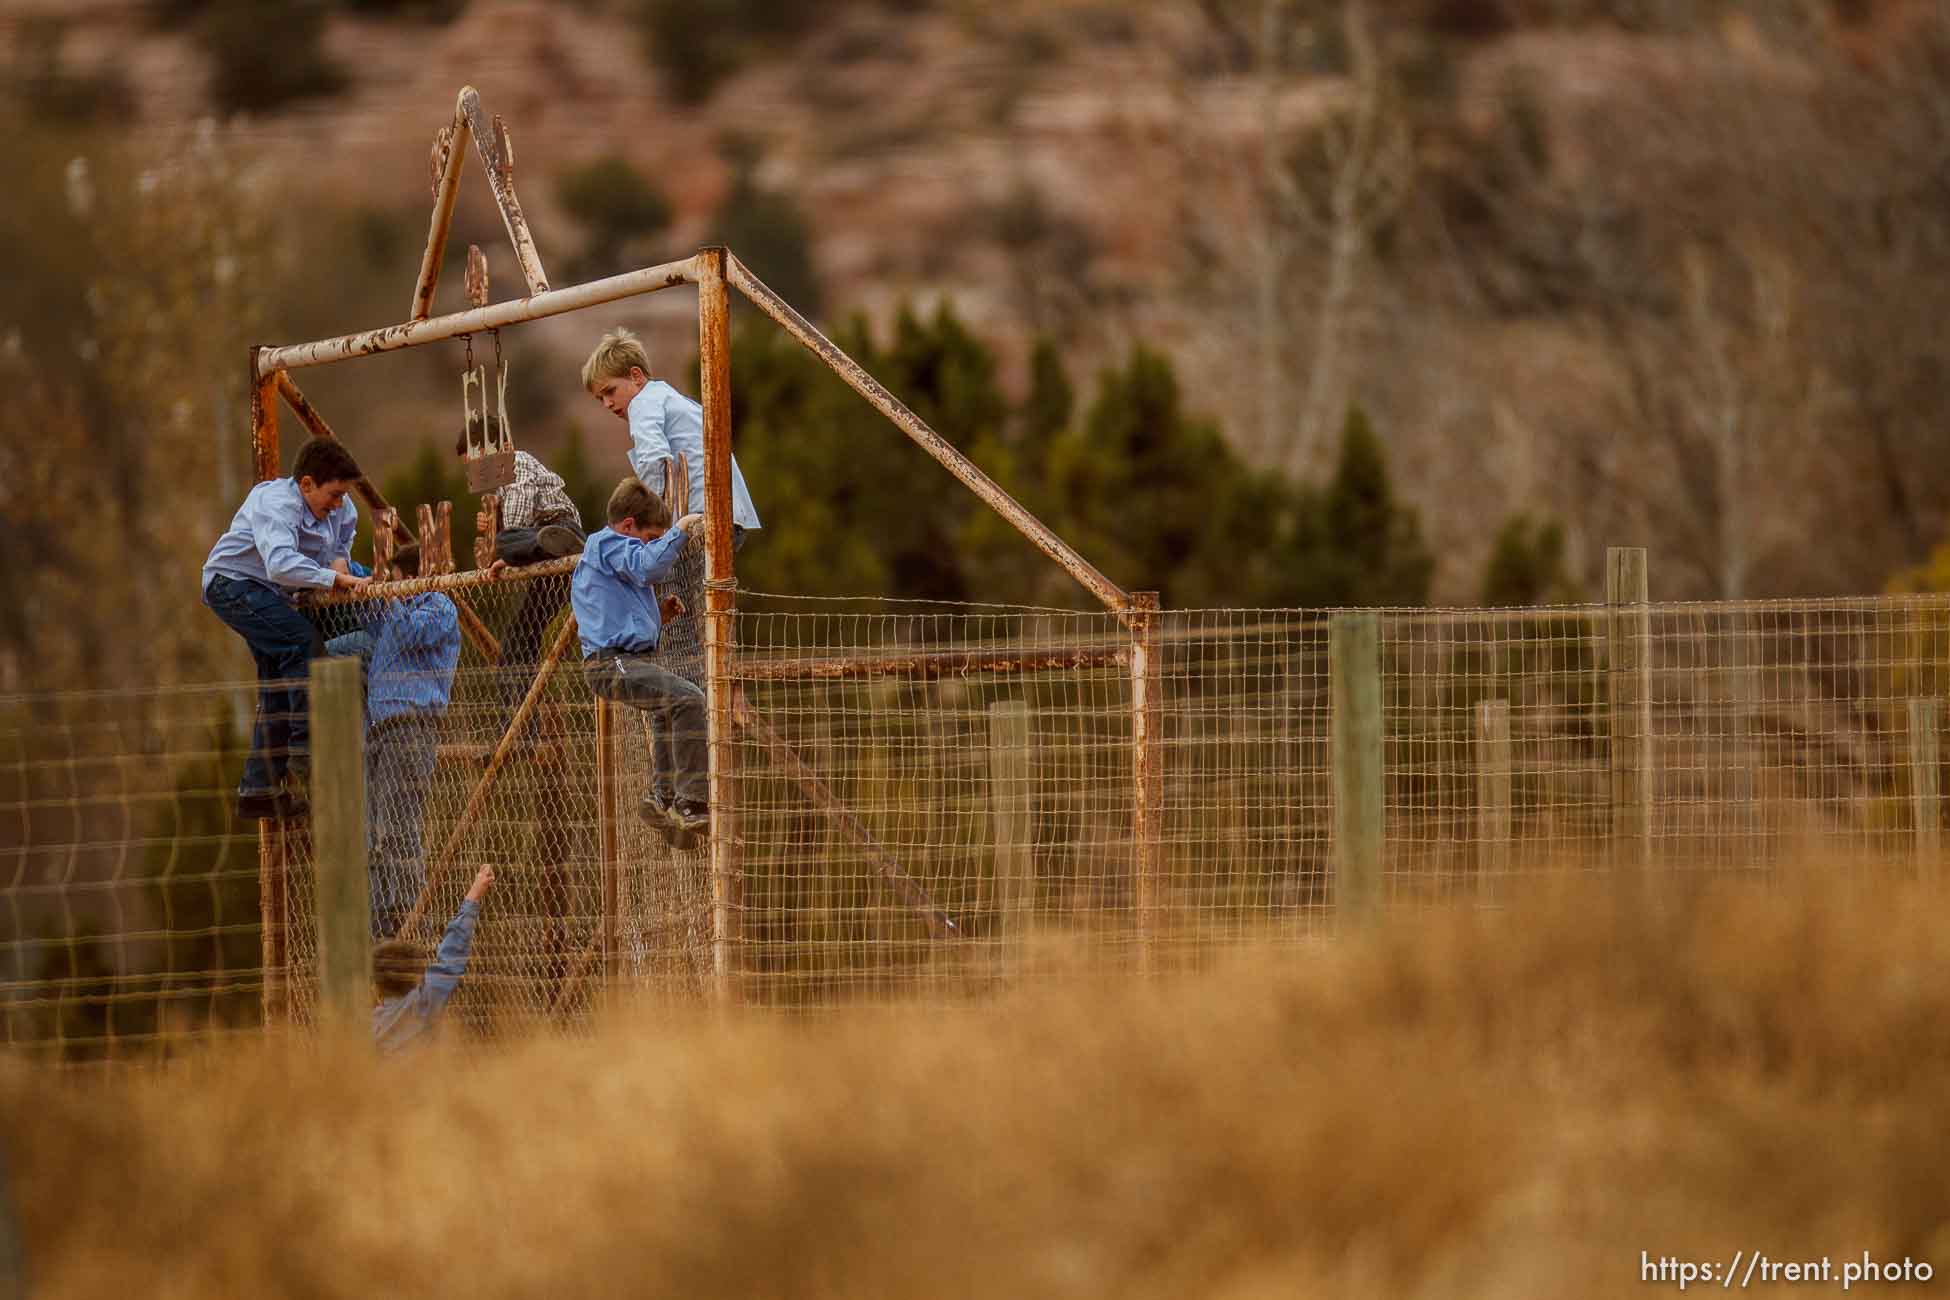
<point>940,924</point>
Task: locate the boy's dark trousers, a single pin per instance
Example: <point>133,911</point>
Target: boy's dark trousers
<point>679,751</point>
<point>523,546</point>
<point>283,642</point>
<point>521,644</point>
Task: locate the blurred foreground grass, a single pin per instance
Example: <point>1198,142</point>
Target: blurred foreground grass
<point>1459,1104</point>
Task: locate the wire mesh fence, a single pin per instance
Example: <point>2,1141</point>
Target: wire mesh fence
<point>567,916</point>
<point>933,800</point>
<point>131,911</point>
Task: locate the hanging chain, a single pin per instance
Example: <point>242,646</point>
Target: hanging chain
<point>497,349</point>
<point>466,378</point>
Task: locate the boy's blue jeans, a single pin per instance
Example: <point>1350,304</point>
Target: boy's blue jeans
<point>283,642</point>
<point>400,755</point>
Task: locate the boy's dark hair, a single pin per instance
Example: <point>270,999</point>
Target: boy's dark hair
<point>632,500</point>
<point>397,966</point>
<point>471,432</point>
<point>324,461</point>
<point>407,560</point>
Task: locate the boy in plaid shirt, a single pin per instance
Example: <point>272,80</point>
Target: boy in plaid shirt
<point>538,522</point>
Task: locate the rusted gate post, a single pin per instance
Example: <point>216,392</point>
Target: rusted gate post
<point>606,837</point>
<point>266,463</point>
<point>1629,640</point>
<point>714,379</point>
<point>1147,771</point>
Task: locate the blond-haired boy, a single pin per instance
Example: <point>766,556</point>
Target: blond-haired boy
<point>665,425</point>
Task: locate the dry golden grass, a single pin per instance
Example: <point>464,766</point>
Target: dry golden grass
<point>1457,1105</point>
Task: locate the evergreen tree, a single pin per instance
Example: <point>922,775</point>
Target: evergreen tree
<point>1152,495</point>
<point>1526,566</point>
<point>1051,399</point>
<point>1017,457</point>
<point>1159,498</point>
<point>850,506</point>
<point>1352,545</point>
<point>946,374</point>
<point>434,475</point>
<point>588,488</point>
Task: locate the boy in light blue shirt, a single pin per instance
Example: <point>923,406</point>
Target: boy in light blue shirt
<point>411,645</point>
<point>664,425</point>
<point>621,623</point>
<point>408,1002</point>
<point>290,535</point>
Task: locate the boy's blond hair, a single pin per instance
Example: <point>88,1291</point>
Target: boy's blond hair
<point>632,500</point>
<point>613,357</point>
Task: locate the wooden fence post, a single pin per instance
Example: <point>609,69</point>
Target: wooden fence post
<point>1493,781</point>
<point>338,828</point>
<point>1354,671</point>
<point>1011,789</point>
<point>1629,642</point>
<point>1925,796</point>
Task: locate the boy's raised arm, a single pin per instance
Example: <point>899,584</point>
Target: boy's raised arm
<point>450,961</point>
<point>651,563</point>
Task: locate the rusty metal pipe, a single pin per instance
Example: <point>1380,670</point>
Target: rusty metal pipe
<point>1113,596</point>
<point>714,381</point>
<point>940,924</point>
<point>444,195</point>
<point>478,800</point>
<point>929,664</point>
<point>415,333</point>
<point>476,630</point>
<point>266,460</point>
<point>270,834</point>
<point>447,582</point>
<point>498,160</point>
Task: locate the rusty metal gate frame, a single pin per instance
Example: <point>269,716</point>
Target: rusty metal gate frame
<point>713,270</point>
